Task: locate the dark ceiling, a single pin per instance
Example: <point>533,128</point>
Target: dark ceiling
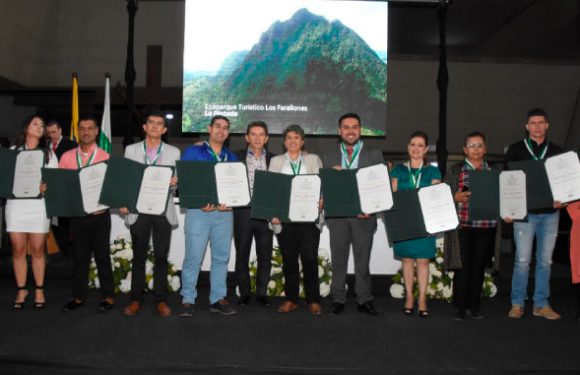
<point>491,30</point>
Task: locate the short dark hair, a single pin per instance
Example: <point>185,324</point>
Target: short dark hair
<point>257,124</point>
<point>89,118</point>
<point>219,117</point>
<point>420,134</point>
<point>536,112</point>
<point>293,128</point>
<point>349,115</point>
<point>474,134</point>
<point>156,114</point>
<point>53,123</point>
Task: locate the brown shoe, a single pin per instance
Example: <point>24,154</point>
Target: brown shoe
<point>163,310</point>
<point>516,312</point>
<point>315,308</point>
<point>287,306</point>
<point>132,308</point>
<point>546,312</point>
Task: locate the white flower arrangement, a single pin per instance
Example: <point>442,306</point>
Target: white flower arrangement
<point>397,291</point>
<point>121,257</point>
<point>440,282</point>
<point>276,283</point>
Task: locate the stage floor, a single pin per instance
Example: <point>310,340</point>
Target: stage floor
<point>260,341</point>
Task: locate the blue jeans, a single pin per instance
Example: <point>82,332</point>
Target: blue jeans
<point>545,228</point>
<point>201,227</point>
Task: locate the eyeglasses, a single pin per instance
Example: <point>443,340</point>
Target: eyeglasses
<point>474,145</point>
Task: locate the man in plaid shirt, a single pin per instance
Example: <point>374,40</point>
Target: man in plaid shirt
<point>476,237</point>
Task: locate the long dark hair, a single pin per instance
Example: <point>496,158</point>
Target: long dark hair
<point>21,140</point>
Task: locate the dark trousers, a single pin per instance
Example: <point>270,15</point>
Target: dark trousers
<point>359,233</point>
<point>246,229</point>
<point>141,232</point>
<point>474,246</point>
<point>300,241</point>
<point>90,237</point>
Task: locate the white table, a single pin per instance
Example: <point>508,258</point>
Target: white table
<point>382,262</point>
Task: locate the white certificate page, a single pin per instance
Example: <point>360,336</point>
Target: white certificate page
<point>27,174</point>
<point>438,208</point>
<point>232,184</point>
<point>91,179</point>
<point>304,198</point>
<point>154,190</point>
<point>512,195</point>
<point>374,189</point>
<point>564,176</point>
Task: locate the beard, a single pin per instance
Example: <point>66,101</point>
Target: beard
<point>349,143</point>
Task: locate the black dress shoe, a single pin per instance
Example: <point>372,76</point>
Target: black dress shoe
<point>475,313</point>
<point>336,308</point>
<point>263,300</point>
<point>369,308</point>
<point>244,301</point>
<point>73,304</point>
<point>459,315</point>
<point>106,305</point>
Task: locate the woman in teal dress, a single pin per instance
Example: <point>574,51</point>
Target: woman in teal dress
<point>415,173</point>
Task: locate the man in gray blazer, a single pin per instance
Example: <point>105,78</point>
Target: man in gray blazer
<point>152,151</point>
<point>358,231</point>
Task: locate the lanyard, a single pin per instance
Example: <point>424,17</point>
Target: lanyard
<point>154,161</point>
<point>528,143</point>
<point>216,156</point>
<point>79,161</point>
<point>295,165</point>
<point>416,176</point>
<point>355,153</point>
<point>471,167</point>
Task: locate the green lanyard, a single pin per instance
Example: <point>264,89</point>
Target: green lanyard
<point>79,160</point>
<point>471,167</point>
<point>215,156</point>
<point>295,165</point>
<point>154,161</point>
<point>528,143</point>
<point>355,153</point>
<point>415,176</point>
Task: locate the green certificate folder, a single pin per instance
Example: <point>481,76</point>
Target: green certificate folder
<point>122,183</point>
<point>538,190</point>
<point>63,196</point>
<point>271,196</point>
<point>405,221</point>
<point>340,192</point>
<point>7,165</point>
<point>484,199</point>
<point>196,184</point>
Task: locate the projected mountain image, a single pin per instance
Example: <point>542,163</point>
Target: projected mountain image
<point>305,70</point>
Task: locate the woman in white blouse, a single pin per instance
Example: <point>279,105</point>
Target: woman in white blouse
<point>298,239</point>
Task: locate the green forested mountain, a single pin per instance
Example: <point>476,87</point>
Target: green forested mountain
<point>304,61</point>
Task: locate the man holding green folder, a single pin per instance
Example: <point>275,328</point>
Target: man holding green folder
<point>90,234</point>
<point>256,157</point>
<point>542,224</point>
<point>358,231</point>
<point>213,223</point>
<point>151,151</point>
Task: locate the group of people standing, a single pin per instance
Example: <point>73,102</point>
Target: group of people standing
<point>468,250</point>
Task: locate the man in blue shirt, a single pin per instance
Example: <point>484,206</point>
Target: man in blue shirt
<point>213,223</point>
